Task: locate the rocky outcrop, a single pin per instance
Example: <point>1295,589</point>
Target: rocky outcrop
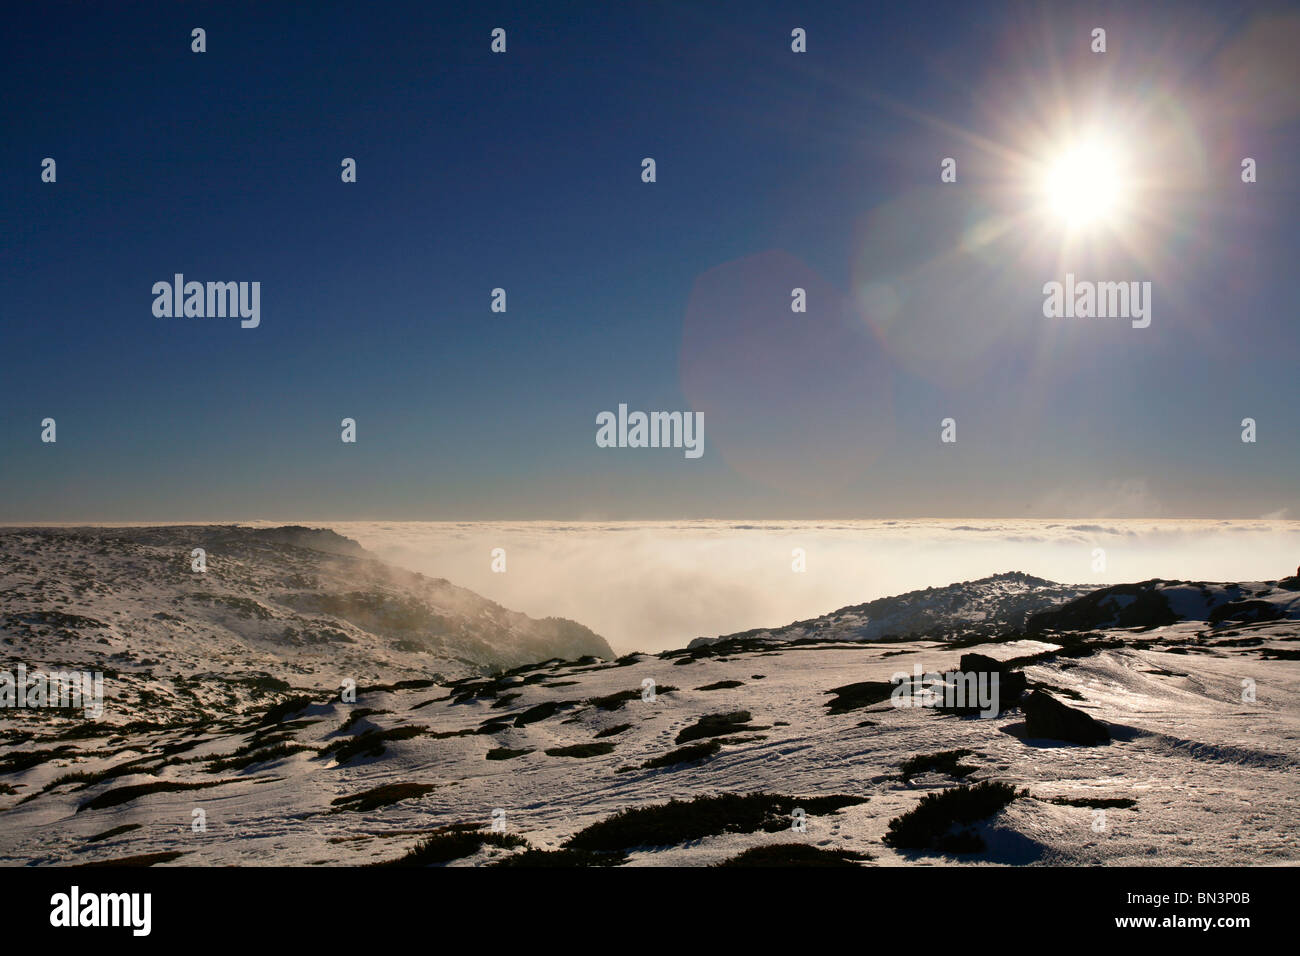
<point>1048,718</point>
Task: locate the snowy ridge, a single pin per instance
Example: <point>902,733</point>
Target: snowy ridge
<point>1157,602</point>
<point>987,606</point>
<point>276,608</point>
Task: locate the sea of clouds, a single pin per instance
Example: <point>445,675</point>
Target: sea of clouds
<point>655,585</point>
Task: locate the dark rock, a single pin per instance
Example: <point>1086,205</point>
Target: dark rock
<point>1048,718</point>
<point>862,694</point>
<point>1011,683</point>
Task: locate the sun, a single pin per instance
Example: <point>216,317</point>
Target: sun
<point>1085,184</point>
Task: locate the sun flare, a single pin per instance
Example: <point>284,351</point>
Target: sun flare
<point>1085,184</point>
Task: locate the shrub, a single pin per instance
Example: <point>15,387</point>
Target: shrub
<point>1096,803</point>
<point>505,753</point>
<point>381,796</point>
<point>942,821</point>
<point>454,844</point>
<point>794,854</point>
<point>688,754</point>
<point>240,761</point>
<point>369,744</point>
<point>562,857</point>
<point>581,750</point>
<point>946,761</point>
<point>678,821</point>
<point>717,725</point>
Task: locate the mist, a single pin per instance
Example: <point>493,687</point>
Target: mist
<point>654,586</point>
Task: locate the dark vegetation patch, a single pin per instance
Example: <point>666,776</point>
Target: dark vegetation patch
<point>616,701</point>
<point>144,859</point>
<point>54,619</point>
<point>261,684</point>
<point>688,754</point>
<point>795,854</point>
<point>544,710</point>
<point>416,683</point>
<point>370,744</point>
<point>88,778</point>
<point>465,692</point>
<point>505,753</point>
<point>116,831</point>
<point>1069,692</point>
<point>943,821</point>
<point>120,795</point>
<point>717,725</point>
<point>581,750</point>
<point>945,761</point>
<point>1239,642</point>
<point>356,715</point>
<point>26,759</point>
<point>1100,608</point>
<point>241,761</point>
<point>381,796</point>
<point>468,731</point>
<point>680,821</point>
<point>734,741</point>
<point>285,708</point>
<point>454,844</point>
<point>734,645</point>
<point>862,694</point>
<point>1246,612</point>
<point>562,857</point>
<point>1075,646</point>
<point>975,640</point>
<point>1096,803</point>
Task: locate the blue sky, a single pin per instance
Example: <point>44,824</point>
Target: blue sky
<point>523,171</point>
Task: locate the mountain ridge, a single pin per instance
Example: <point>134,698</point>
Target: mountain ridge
<point>984,606</point>
<point>288,605</point>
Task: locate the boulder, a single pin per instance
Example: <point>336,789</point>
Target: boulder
<point>1046,717</point>
<point>1011,683</point>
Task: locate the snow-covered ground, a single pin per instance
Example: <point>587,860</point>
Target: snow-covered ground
<point>1211,772</point>
<point>309,608</point>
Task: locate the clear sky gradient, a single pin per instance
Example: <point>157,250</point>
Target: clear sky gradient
<point>523,171</point>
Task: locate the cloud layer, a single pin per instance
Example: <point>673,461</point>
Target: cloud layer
<point>651,586</point>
